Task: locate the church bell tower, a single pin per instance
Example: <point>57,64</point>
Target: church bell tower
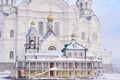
<point>84,7</point>
<point>8,30</point>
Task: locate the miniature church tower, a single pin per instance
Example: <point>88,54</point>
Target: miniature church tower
<point>32,40</point>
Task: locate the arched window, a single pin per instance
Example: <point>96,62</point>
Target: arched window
<point>56,29</point>
<point>94,37</point>
<point>6,2</point>
<point>86,5</point>
<point>0,34</point>
<point>41,28</point>
<point>11,56</point>
<point>52,48</point>
<point>83,36</point>
<point>30,0</point>
<point>12,33</point>
<point>75,54</point>
<point>81,5</point>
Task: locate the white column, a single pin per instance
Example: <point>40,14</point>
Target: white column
<point>9,2</point>
<point>16,70</point>
<point>4,1</point>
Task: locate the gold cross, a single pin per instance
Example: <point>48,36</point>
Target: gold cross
<point>50,6</point>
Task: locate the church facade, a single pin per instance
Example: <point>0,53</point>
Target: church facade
<point>15,22</point>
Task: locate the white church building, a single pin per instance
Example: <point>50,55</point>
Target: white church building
<point>16,21</point>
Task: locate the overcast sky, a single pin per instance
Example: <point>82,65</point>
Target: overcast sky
<point>108,12</point>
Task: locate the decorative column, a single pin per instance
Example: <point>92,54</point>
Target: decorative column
<point>16,69</point>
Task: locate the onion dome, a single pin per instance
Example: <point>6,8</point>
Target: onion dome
<point>32,23</point>
<point>73,35</point>
<point>50,17</point>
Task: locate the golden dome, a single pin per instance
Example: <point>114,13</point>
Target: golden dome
<point>50,17</point>
<point>73,35</point>
<point>32,23</point>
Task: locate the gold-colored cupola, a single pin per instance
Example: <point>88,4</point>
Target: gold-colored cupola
<point>50,16</point>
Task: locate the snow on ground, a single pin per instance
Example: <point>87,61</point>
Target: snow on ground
<point>109,77</point>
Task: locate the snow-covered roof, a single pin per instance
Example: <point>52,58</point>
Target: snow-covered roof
<point>74,46</point>
<point>32,31</point>
<point>46,53</point>
<point>63,59</point>
<point>49,32</point>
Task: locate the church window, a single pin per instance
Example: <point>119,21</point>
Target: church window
<point>12,33</point>
<point>75,54</point>
<point>11,55</point>
<point>6,2</point>
<point>30,0</point>
<point>41,28</point>
<point>80,54</point>
<point>56,29</point>
<point>83,36</point>
<point>52,48</point>
<point>86,5</point>
<point>94,37</point>
<point>81,5</point>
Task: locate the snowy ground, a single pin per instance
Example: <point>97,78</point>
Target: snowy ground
<point>109,77</point>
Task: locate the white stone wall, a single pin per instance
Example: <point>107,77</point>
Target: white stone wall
<point>69,21</point>
<point>106,57</point>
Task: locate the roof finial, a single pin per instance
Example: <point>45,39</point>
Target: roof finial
<point>50,16</point>
<point>50,6</point>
